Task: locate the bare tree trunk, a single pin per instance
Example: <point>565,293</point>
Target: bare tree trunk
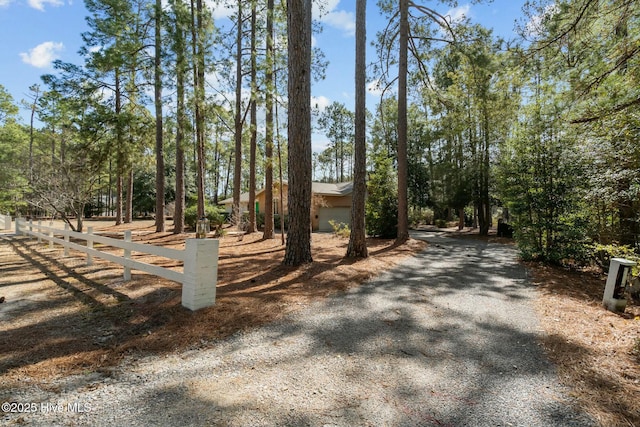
<point>282,227</point>
<point>35,89</point>
<point>268,192</point>
<point>197,48</point>
<point>216,162</point>
<point>178,214</point>
<point>120,161</point>
<point>158,107</point>
<point>298,249</point>
<point>128,217</point>
<point>403,202</point>
<point>357,240</point>
<point>251,227</point>
<point>237,171</point>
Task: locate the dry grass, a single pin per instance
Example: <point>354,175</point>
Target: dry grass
<point>68,318</point>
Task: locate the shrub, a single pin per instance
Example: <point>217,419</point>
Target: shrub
<point>381,210</point>
<point>602,255</point>
<point>340,229</point>
<point>420,216</point>
<point>441,223</point>
<point>277,221</point>
<point>214,214</point>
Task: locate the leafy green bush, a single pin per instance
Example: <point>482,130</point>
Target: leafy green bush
<point>441,223</point>
<point>277,221</point>
<point>214,214</point>
<point>340,229</point>
<point>420,216</point>
<point>381,209</point>
<point>602,255</point>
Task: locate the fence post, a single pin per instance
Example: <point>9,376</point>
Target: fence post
<point>39,231</point>
<point>51,234</point>
<point>66,239</point>
<point>7,222</point>
<point>127,255</point>
<point>30,229</point>
<point>200,273</point>
<point>18,224</point>
<point>89,245</point>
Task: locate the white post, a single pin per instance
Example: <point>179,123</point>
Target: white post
<point>39,231</point>
<point>200,273</point>
<point>127,255</point>
<point>614,298</point>
<point>66,239</point>
<point>7,222</point>
<point>51,234</point>
<point>30,229</point>
<point>18,224</point>
<point>89,245</point>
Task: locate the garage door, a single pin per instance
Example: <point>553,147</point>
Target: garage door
<point>336,214</point>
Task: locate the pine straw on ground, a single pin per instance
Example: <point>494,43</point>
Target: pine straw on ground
<point>597,352</point>
<point>62,317</point>
<point>73,319</point>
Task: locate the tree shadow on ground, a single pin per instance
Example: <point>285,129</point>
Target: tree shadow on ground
<point>83,323</point>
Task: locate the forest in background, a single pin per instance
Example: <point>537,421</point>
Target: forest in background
<point>546,127</point>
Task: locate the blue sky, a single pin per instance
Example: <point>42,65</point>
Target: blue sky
<point>35,32</point>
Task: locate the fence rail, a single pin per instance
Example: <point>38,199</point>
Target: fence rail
<point>200,258</point>
<point>5,222</point>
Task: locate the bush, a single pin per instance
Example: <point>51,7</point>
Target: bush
<point>276,221</point>
<point>340,229</point>
<point>214,214</point>
<point>419,216</point>
<point>602,254</point>
<point>441,223</point>
<point>381,210</point>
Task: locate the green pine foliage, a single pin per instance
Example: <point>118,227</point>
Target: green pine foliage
<point>381,210</point>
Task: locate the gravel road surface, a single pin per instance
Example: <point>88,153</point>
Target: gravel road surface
<point>448,338</point>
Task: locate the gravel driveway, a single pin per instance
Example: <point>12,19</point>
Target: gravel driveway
<point>446,339</point>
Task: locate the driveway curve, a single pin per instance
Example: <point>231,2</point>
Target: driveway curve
<point>448,338</point>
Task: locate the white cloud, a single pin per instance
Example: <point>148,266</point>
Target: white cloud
<point>4,3</point>
<point>458,14</point>
<point>535,26</point>
<point>319,103</point>
<point>221,11</point>
<point>322,7</point>
<point>325,12</point>
<point>341,20</point>
<point>374,87</point>
<point>39,4</point>
<point>42,55</point>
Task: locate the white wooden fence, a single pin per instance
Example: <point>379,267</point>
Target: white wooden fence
<point>5,222</point>
<point>200,258</point>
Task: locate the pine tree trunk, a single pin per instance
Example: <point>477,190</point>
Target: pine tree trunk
<point>128,217</point>
<point>178,214</point>
<point>298,249</point>
<point>236,215</point>
<point>268,192</point>
<point>357,240</point>
<point>403,202</point>
<point>197,48</point>
<point>120,162</point>
<point>158,108</point>
<point>251,227</point>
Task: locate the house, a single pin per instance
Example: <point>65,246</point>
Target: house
<point>329,202</point>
